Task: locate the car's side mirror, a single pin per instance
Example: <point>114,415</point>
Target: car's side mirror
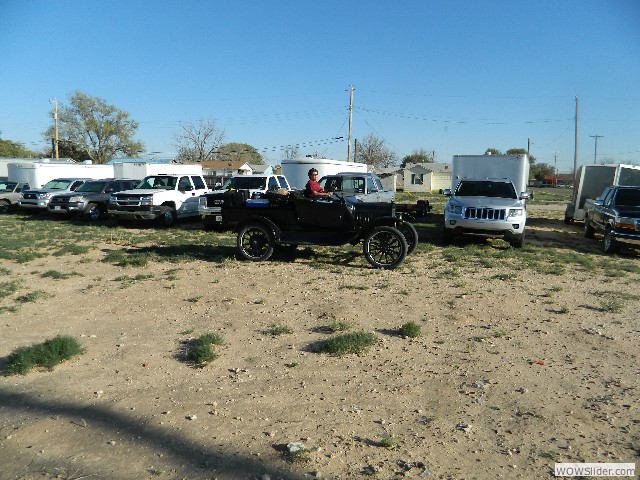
<point>446,192</point>
<point>524,196</point>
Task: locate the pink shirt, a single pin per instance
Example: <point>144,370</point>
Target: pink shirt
<point>312,186</point>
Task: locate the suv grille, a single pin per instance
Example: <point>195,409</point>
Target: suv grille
<point>485,213</point>
<point>59,200</point>
<point>127,200</point>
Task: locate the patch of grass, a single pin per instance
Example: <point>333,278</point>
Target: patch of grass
<point>9,288</point>
<point>71,249</point>
<point>612,305</point>
<point>9,308</point>
<point>125,259</point>
<point>338,326</point>
<point>355,342</point>
<point>353,287</point>
<point>128,280</point>
<point>388,441</point>
<point>4,271</point>
<point>200,352</point>
<point>56,275</point>
<point>276,330</point>
<point>47,355</point>
<point>195,299</point>
<point>505,276</point>
<point>410,329</point>
<point>32,296</point>
<point>564,309</point>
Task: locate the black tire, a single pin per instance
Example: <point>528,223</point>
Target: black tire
<point>4,206</point>
<point>385,247</point>
<point>518,242</point>
<point>255,242</point>
<point>568,220</point>
<point>410,235</point>
<point>609,243</point>
<point>93,212</point>
<point>167,216</point>
<point>447,236</point>
<point>588,229</point>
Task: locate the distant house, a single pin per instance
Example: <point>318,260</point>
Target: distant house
<point>426,177</point>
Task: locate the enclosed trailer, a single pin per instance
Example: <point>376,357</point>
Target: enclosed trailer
<point>591,180</point>
<point>494,167</point>
<point>4,163</point>
<point>36,174</point>
<point>139,170</point>
<point>297,171</point>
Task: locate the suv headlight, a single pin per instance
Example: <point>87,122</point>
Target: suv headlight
<point>515,212</point>
<point>75,199</point>
<point>46,195</point>
<point>457,209</point>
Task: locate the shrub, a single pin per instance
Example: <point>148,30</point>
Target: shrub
<point>410,329</point>
<point>356,342</point>
<point>200,352</point>
<point>47,355</point>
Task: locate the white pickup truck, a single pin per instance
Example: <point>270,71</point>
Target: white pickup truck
<point>163,198</point>
<point>10,194</point>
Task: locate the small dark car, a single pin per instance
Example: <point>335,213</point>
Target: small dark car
<point>293,219</point>
<point>90,199</point>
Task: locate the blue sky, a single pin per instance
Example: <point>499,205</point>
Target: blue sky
<point>454,77</point>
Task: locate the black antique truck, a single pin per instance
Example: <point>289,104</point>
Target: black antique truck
<point>289,218</point>
<point>615,214</point>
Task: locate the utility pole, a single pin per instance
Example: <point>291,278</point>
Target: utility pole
<point>555,169</point>
<point>575,150</point>
<point>595,152</point>
<point>350,119</point>
<point>55,123</point>
<point>529,142</point>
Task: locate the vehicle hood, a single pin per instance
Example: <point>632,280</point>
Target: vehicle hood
<point>143,191</point>
<point>487,202</point>
<point>631,212</point>
<point>47,190</point>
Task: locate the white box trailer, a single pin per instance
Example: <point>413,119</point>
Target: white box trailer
<point>4,163</point>
<point>296,171</point>
<point>139,170</point>
<point>591,180</point>
<point>36,174</point>
<point>496,167</point>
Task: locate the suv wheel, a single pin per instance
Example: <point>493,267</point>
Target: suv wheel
<point>4,206</point>
<point>93,212</point>
<point>518,242</point>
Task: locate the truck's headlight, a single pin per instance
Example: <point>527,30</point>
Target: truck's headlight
<point>455,209</point>
<point>515,212</point>
<point>625,222</point>
<point>75,199</point>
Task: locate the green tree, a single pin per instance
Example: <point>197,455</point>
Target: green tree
<point>240,152</point>
<point>418,156</point>
<point>95,128</point>
<point>492,151</point>
<point>9,149</point>
<point>373,151</point>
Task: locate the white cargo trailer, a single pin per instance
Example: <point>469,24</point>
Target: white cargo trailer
<point>139,170</point>
<point>36,174</point>
<point>296,171</point>
<point>4,163</point>
<point>591,180</point>
<point>495,167</point>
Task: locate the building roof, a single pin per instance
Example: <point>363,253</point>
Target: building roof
<point>429,167</point>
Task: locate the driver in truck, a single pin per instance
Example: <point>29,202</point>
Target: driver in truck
<point>313,188</point>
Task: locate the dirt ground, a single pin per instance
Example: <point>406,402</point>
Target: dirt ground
<point>516,368</point>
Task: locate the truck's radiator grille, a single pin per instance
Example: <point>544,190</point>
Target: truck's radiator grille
<point>485,213</point>
<point>127,200</point>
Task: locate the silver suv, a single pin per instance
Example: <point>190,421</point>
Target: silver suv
<point>38,200</point>
<point>489,208</point>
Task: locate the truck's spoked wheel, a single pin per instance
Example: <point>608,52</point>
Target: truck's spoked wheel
<point>410,235</point>
<point>385,247</point>
<point>255,242</point>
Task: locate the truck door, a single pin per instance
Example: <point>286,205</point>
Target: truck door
<point>600,213</point>
<point>186,194</point>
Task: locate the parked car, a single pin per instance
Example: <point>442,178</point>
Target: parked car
<point>362,186</point>
<point>615,214</point>
<point>38,200</point>
<point>90,199</point>
<point>10,194</point>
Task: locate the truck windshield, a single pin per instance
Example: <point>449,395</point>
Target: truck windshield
<point>57,185</point>
<point>159,182</point>
<point>246,183</point>
<point>486,189</point>
<point>7,187</point>
<point>628,198</point>
<point>91,187</point>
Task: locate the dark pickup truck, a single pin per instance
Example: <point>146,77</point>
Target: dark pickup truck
<point>615,214</point>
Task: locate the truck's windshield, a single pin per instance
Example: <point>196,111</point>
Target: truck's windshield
<point>628,197</point>
<point>486,189</point>
<point>246,183</point>
<point>158,181</point>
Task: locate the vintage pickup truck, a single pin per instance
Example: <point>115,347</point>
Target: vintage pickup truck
<point>615,214</point>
